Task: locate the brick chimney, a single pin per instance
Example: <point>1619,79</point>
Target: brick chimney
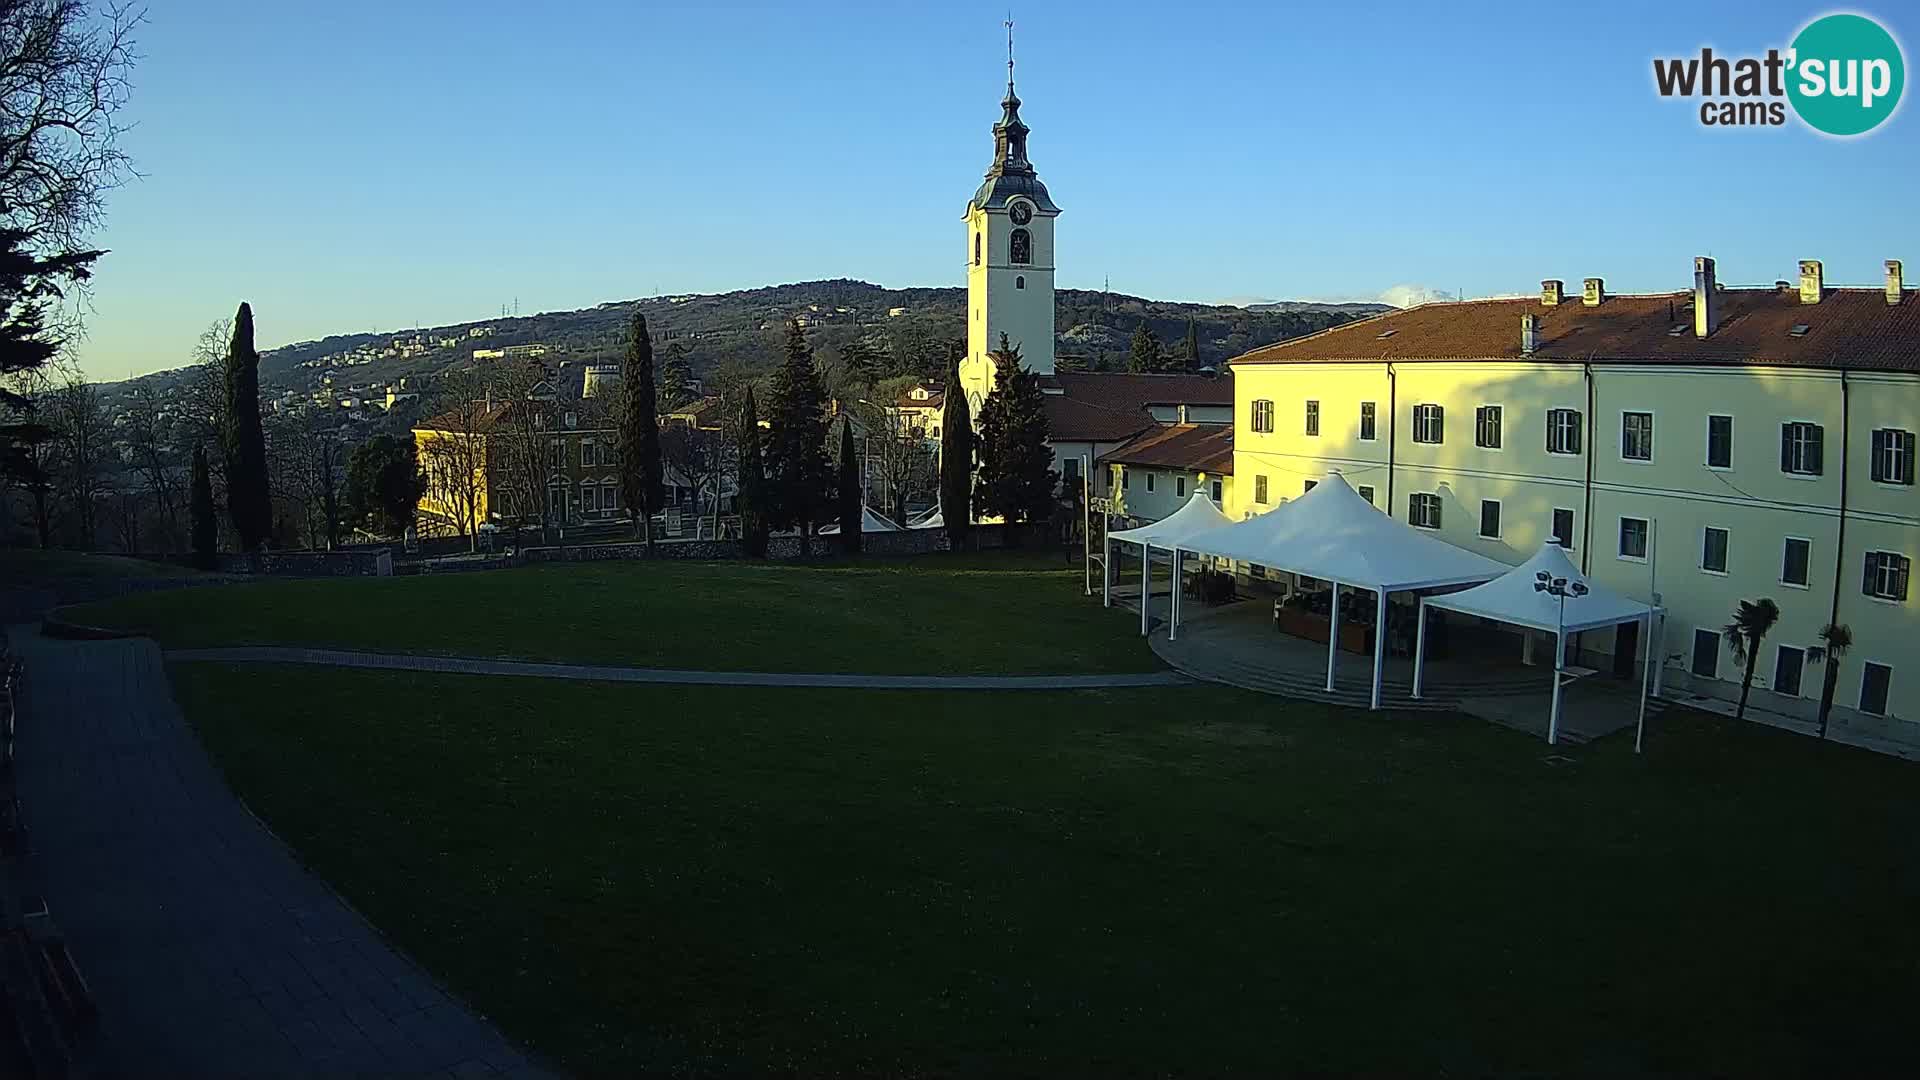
<point>1529,332</point>
<point>1552,291</point>
<point>1593,291</point>
<point>1812,285</point>
<point>1706,298</point>
<point>1895,287</point>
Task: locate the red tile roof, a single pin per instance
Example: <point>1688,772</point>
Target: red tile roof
<point>1073,420</point>
<point>1199,447</point>
<point>1849,327</point>
<point>1089,406</point>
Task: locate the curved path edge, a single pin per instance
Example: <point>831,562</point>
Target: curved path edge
<point>461,665</point>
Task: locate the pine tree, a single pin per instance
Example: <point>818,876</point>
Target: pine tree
<point>639,434</point>
<point>1016,462</point>
<point>200,508</point>
<point>849,491</point>
<point>1192,345</point>
<point>248,501</point>
<point>1145,355</point>
<point>751,490</point>
<point>799,476</point>
<point>956,461</point>
<point>675,380</point>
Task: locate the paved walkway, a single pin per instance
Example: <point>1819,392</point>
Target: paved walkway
<point>210,950</point>
<point>275,654</point>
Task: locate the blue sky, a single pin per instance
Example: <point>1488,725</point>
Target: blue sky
<point>373,165</point>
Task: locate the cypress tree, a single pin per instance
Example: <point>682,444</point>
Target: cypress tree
<point>1016,462</point>
<point>1192,345</point>
<point>245,442</point>
<point>956,461</point>
<point>639,435</point>
<point>750,498</point>
<point>849,489</point>
<point>1144,354</point>
<point>799,476</point>
<point>200,508</point>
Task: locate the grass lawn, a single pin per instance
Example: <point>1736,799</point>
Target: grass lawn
<point>992,614</point>
<point>719,880</point>
<point>21,565</point>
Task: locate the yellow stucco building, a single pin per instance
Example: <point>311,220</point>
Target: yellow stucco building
<point>1697,448</point>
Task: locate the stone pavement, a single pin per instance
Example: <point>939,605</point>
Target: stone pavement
<point>210,950</point>
<point>458,665</point>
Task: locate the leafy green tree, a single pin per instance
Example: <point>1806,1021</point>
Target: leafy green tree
<point>248,502</point>
<point>384,484</point>
<point>956,460</point>
<point>675,378</point>
<point>1145,355</point>
<point>1751,623</point>
<point>799,476</point>
<point>1191,347</point>
<point>849,491</point>
<point>750,496</point>
<point>1836,640</point>
<point>200,510</point>
<point>1016,461</point>
<point>639,434</point>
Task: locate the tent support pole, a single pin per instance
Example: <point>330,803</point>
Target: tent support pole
<point>1660,669</point>
<point>1379,645</point>
<point>1559,667</point>
<point>1106,571</point>
<point>1146,584</point>
<point>1173,604</point>
<point>1333,634</point>
<point>1420,649</point>
<point>1646,678</point>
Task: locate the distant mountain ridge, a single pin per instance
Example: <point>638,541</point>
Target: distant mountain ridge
<point>909,328</point>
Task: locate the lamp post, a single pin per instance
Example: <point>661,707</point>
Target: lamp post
<point>1544,582</point>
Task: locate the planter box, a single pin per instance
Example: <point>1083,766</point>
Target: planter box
<point>1354,638</point>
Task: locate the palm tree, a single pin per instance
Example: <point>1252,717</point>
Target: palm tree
<point>1837,638</point>
<point>1744,634</point>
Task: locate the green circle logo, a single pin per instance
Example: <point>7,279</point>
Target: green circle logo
<point>1846,74</point>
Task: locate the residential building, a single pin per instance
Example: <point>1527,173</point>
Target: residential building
<point>1154,474</point>
<point>1695,448</point>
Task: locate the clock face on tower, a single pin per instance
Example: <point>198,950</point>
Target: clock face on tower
<point>1021,213</point>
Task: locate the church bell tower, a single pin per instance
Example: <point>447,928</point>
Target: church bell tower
<point>1009,257</point>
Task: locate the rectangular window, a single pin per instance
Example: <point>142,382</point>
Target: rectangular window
<point>586,455</point>
<point>1429,424</point>
<point>1788,663</point>
<point>1366,493</point>
<point>1490,519</point>
<point>1706,654</point>
<point>1713,550</point>
<point>1886,576</point>
<point>1563,527</point>
<point>1636,436</point>
<point>1800,448</point>
<point>1875,680</point>
<point>1070,470</point>
<point>609,496</point>
<point>1563,431</point>
<point>606,453</point>
<point>1423,511</point>
<point>1216,492</point>
<point>1366,421</point>
<point>1313,418</point>
<point>1260,490</point>
<point>589,498</point>
<point>1149,483</point>
<point>1263,415</point>
<point>1893,456</point>
<point>1795,560</point>
<point>1720,442</point>
<point>1633,538</point>
<point>1126,480</point>
<point>1180,487</point>
<point>1486,427</point>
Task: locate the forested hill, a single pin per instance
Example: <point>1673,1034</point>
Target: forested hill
<point>908,329</point>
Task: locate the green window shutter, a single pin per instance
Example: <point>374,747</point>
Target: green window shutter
<point>1814,448</point>
<point>1866,578</point>
<point>1786,447</point>
<point>1907,453</point>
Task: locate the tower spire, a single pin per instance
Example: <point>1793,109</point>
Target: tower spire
<point>1010,134</point>
<point>1009,53</point>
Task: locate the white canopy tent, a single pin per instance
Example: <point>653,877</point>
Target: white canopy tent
<point>932,519</point>
<point>1549,594</point>
<point>1333,534</point>
<point>870,522</point>
<point>1198,515</point>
